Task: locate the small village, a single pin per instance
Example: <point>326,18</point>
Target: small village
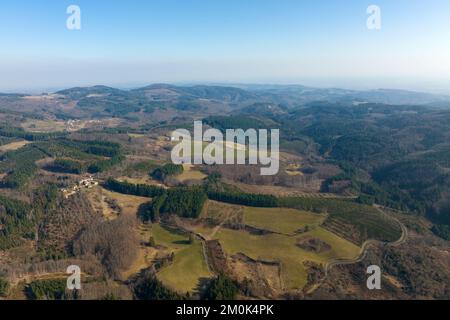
<point>87,183</point>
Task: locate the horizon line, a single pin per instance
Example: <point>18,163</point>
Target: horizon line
<point>239,85</point>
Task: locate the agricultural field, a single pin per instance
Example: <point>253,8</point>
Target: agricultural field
<point>50,125</point>
<point>34,125</point>
<point>13,146</point>
<point>218,213</point>
<point>312,190</point>
<point>111,204</point>
<point>136,135</point>
<point>353,221</point>
<point>284,250</point>
<point>146,254</point>
<point>226,146</point>
<point>189,266</point>
<point>281,220</point>
<point>293,170</point>
<point>144,179</point>
<point>190,173</point>
<point>285,229</point>
<point>277,220</point>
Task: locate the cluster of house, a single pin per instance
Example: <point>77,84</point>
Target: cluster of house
<point>87,183</point>
<point>74,125</point>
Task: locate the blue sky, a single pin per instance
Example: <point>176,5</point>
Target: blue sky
<point>134,42</point>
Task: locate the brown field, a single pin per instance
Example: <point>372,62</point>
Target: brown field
<point>127,204</point>
<point>34,125</point>
<point>13,146</point>
<point>282,191</point>
<point>146,254</point>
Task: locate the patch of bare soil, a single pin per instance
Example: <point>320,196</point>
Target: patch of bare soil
<point>315,245</point>
<point>263,278</point>
<point>217,258</point>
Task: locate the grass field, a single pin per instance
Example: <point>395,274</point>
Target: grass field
<point>190,173</point>
<point>218,212</point>
<point>293,170</point>
<point>189,265</point>
<point>145,179</point>
<point>281,220</point>
<point>282,248</point>
<point>166,238</point>
<point>353,221</point>
<point>278,220</point>
<point>282,245</point>
<point>136,135</point>
<point>34,125</point>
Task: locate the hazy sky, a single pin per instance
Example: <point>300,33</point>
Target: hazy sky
<point>315,42</point>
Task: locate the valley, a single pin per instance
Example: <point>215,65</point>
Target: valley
<point>358,184</point>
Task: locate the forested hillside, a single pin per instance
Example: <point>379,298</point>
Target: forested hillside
<point>396,156</point>
<point>86,179</point>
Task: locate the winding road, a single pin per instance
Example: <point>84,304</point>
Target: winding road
<point>367,244</point>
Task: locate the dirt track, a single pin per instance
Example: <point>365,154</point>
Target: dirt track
<point>367,244</point>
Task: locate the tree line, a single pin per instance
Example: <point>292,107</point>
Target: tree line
<point>245,199</point>
<point>12,132</point>
<point>167,170</point>
<point>141,190</point>
<point>183,201</point>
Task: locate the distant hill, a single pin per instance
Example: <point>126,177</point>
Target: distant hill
<point>243,96</point>
<point>228,94</point>
<point>82,92</point>
<point>387,96</point>
<point>181,101</point>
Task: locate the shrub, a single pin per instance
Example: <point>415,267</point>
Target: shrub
<point>52,289</point>
<point>222,288</point>
<point>4,287</point>
<point>167,170</point>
